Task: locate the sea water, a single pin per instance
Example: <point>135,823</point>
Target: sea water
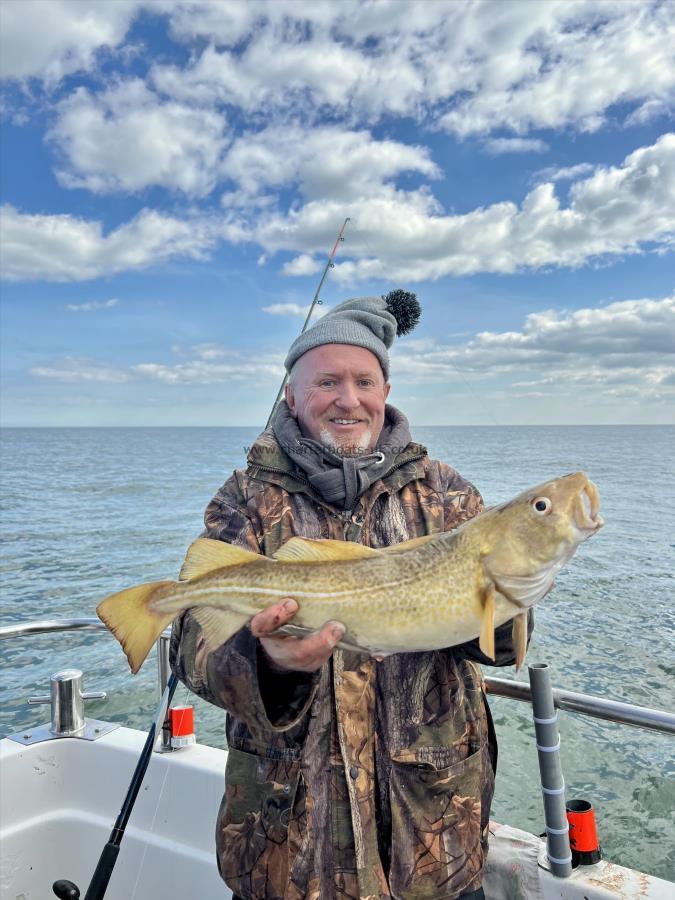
<point>90,511</point>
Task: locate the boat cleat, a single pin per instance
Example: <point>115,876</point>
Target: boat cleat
<point>67,706</point>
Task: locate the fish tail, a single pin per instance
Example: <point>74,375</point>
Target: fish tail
<point>129,616</point>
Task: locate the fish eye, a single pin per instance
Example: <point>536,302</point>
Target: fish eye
<point>542,505</point>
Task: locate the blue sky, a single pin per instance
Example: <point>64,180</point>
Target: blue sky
<point>175,173</point>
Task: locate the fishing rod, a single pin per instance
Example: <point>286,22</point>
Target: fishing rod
<point>329,265</point>
<point>98,885</point>
<point>67,890</point>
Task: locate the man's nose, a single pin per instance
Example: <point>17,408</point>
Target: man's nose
<point>348,397</point>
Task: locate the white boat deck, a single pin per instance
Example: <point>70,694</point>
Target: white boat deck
<point>59,800</point>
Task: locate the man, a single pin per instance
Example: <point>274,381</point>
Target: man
<point>346,777</point>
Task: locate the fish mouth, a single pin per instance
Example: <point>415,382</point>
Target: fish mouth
<point>586,515</point>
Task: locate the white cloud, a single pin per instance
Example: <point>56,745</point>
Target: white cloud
<point>621,351</point>
<point>209,351</point>
<point>473,67</point>
<point>242,200</point>
<point>75,370</point>
<point>627,328</point>
<point>301,265</point>
<point>286,309</point>
<point>65,248</point>
<point>270,74</point>
<point>49,39</point>
<point>92,306</point>
<point>211,364</point>
<point>397,234</point>
<point>647,112</point>
<point>325,162</point>
<point>498,146</point>
<point>627,345</point>
<point>584,58</point>
<point>238,369</point>
<point>393,233</point>
<point>225,22</point>
<point>127,138</point>
<point>296,309</point>
<point>564,173</point>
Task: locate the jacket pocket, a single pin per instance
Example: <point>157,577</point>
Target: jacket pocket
<point>252,828</point>
<point>436,846</point>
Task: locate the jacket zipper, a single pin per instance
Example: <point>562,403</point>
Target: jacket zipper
<point>282,472</point>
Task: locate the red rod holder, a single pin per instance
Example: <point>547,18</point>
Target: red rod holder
<point>182,725</point>
<point>583,833</point>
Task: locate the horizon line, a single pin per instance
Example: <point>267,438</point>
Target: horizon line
<point>412,426</point>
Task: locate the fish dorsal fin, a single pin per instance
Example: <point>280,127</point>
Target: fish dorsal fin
<point>310,550</point>
<point>408,545</point>
<point>204,555</point>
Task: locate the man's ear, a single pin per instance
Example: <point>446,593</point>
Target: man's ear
<point>289,395</point>
<point>387,388</point>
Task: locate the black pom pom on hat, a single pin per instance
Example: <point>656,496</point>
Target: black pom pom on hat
<point>405,308</point>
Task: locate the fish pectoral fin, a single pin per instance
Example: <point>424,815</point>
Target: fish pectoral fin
<point>486,640</point>
<point>310,550</point>
<point>218,625</point>
<point>519,634</point>
<point>204,555</point>
<point>408,545</point>
<point>128,615</point>
<point>524,590</point>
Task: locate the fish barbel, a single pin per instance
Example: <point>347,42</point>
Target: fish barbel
<point>424,594</point>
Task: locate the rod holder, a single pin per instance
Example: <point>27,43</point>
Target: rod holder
<point>586,850</point>
<point>550,770</point>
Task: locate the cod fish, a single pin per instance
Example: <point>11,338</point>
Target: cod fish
<point>425,594</point>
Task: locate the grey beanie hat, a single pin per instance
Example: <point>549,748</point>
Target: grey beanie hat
<point>370,322</point>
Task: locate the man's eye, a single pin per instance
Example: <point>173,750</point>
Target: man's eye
<point>326,383</point>
<point>365,383</point>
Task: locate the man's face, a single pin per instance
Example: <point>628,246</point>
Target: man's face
<point>337,393</point>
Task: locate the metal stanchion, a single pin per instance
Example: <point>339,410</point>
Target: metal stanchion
<point>552,782</point>
<point>163,674</point>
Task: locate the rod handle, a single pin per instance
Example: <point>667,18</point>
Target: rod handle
<point>104,869</point>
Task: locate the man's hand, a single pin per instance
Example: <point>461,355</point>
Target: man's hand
<point>290,653</point>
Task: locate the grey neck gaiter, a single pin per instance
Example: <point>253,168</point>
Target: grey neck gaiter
<point>341,480</point>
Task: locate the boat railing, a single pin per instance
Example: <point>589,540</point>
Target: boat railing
<point>570,701</point>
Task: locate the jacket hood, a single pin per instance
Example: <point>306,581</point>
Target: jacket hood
<point>268,462</point>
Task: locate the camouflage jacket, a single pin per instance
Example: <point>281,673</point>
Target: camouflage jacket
<point>365,779</point>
